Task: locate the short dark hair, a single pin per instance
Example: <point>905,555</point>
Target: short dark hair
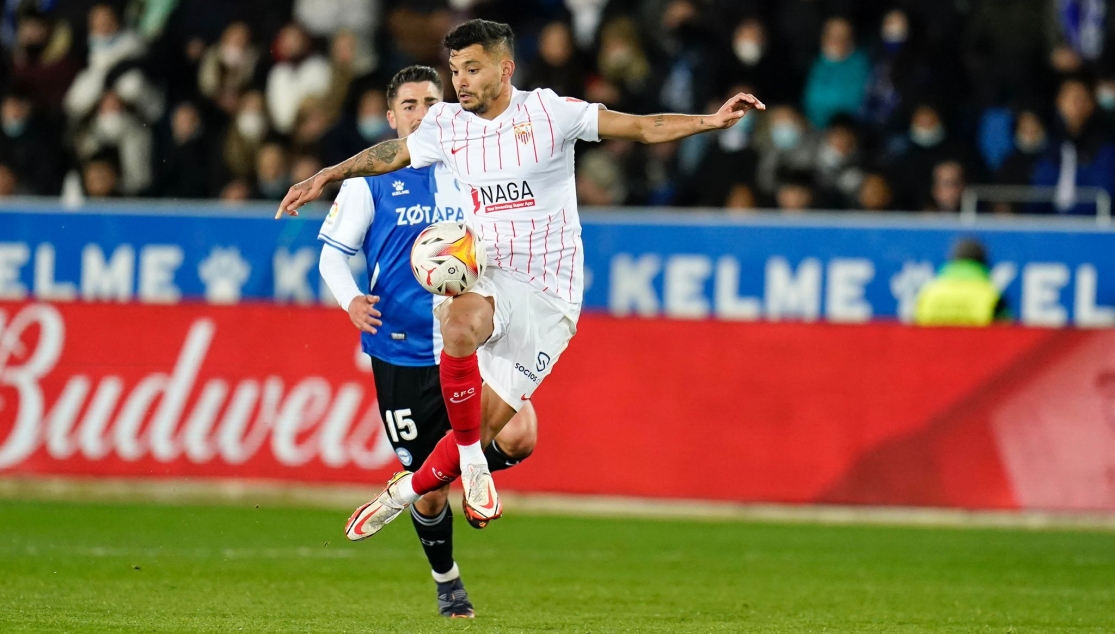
<point>486,33</point>
<point>412,74</point>
<point>970,249</point>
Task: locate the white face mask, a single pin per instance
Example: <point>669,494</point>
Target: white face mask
<point>894,33</point>
<point>748,51</point>
<point>835,53</point>
<point>110,125</point>
<point>233,55</point>
<point>830,158</point>
<point>1105,97</point>
<point>927,138</point>
<point>251,125</point>
<point>785,136</point>
<point>101,42</point>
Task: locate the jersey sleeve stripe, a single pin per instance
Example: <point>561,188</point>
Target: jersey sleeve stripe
<point>337,245</point>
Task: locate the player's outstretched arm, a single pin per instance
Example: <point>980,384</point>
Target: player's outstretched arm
<point>381,158</point>
<point>662,128</point>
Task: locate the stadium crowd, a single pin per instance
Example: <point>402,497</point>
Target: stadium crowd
<point>872,104</point>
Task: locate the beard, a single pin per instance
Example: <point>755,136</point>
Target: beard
<point>482,100</point>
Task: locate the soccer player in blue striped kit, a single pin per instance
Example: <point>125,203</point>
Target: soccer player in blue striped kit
<point>380,216</point>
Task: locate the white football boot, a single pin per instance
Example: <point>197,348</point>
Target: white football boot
<point>481,504</point>
<point>373,516</point>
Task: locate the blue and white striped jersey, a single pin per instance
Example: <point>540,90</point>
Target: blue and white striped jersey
<point>380,216</point>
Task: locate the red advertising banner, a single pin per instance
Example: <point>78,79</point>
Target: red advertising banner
<point>875,414</point>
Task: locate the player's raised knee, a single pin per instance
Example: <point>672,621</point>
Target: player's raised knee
<point>466,324</point>
<point>460,335</point>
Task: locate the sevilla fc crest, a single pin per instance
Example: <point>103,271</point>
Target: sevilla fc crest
<point>523,132</point>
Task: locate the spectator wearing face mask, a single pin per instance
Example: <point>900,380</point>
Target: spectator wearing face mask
<point>29,147</point>
<point>1030,142</point>
<point>838,79</point>
<point>755,61</point>
<point>246,135</point>
<point>299,73</point>
<point>365,128</point>
<point>114,127</point>
<point>110,44</point>
<point>785,144</point>
<point>41,60</point>
<point>1105,102</point>
<point>1080,155</point>
<point>726,171</point>
<point>228,68</point>
<point>837,172</point>
<point>927,144</point>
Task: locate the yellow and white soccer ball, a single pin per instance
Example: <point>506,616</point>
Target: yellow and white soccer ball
<point>447,258</point>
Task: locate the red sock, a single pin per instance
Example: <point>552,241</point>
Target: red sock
<point>442,467</point>
<point>460,387</point>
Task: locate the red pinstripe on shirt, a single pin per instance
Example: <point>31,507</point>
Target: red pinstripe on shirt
<point>549,122</point>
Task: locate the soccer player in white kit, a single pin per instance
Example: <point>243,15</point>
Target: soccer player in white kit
<point>514,150</point>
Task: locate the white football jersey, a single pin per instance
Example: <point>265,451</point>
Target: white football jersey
<point>519,170</point>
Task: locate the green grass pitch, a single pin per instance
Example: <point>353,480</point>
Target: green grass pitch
<point>146,568</point>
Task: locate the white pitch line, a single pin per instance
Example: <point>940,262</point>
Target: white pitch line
<point>302,552</point>
<point>346,497</point>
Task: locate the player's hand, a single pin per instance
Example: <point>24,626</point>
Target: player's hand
<point>301,193</point>
<point>735,109</point>
<point>362,311</point>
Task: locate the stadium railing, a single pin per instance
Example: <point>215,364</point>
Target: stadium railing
<point>970,199</point>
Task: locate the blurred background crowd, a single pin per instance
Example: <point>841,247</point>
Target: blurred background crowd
<point>872,104</point>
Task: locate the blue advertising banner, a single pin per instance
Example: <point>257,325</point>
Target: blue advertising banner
<point>688,265</point>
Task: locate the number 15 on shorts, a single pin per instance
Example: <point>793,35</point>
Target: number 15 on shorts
<point>399,425</point>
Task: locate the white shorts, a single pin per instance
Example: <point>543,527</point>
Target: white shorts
<point>531,331</point>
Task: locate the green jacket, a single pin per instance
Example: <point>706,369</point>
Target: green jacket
<point>961,295</point>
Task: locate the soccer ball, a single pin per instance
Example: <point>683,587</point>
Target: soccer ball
<point>447,258</point>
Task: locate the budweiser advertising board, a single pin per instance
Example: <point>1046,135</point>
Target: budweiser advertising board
<point>187,390</point>
<point>881,413</point>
